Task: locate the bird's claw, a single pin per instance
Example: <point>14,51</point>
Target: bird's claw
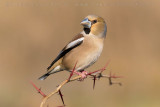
<point>83,75</point>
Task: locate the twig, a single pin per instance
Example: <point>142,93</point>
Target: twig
<point>38,89</point>
<point>100,70</point>
<point>71,74</point>
<point>70,79</point>
<point>110,78</point>
<point>57,89</point>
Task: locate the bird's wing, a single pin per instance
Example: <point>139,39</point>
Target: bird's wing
<point>76,41</point>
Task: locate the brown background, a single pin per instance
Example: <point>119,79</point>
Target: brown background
<point>32,32</point>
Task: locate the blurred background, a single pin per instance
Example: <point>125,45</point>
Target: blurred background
<point>32,32</point>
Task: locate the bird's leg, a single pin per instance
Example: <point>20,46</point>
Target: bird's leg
<point>83,74</point>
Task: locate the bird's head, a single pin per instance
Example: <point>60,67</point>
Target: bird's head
<point>95,25</point>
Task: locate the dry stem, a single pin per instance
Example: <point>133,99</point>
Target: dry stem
<point>94,75</point>
<point>57,89</point>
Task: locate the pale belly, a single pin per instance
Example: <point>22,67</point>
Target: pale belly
<point>84,55</point>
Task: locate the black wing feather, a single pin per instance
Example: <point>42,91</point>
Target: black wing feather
<point>62,53</point>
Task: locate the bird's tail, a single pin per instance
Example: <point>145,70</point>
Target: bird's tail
<point>43,77</point>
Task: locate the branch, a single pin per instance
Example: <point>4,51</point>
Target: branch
<point>71,74</point>
<point>95,74</point>
<point>110,78</point>
<point>57,89</point>
<point>38,89</point>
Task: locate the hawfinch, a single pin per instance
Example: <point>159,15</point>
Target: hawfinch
<point>83,50</point>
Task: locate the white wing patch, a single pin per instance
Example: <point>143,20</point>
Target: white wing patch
<point>75,42</point>
<point>56,69</point>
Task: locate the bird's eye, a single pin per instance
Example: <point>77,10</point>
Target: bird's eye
<point>94,21</point>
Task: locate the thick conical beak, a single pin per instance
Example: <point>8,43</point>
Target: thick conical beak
<point>86,23</point>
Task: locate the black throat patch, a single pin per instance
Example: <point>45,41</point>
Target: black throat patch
<point>87,30</point>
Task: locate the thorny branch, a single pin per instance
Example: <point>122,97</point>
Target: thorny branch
<point>95,75</point>
<point>38,89</point>
<point>61,95</point>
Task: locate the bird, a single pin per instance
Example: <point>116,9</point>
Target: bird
<point>83,50</point>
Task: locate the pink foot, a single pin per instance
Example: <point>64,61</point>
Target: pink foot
<point>83,74</point>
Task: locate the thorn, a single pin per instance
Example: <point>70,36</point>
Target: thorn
<point>94,81</point>
<point>120,84</point>
<point>114,76</point>
<point>110,81</point>
<point>60,93</point>
<point>39,89</point>
<point>99,76</point>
